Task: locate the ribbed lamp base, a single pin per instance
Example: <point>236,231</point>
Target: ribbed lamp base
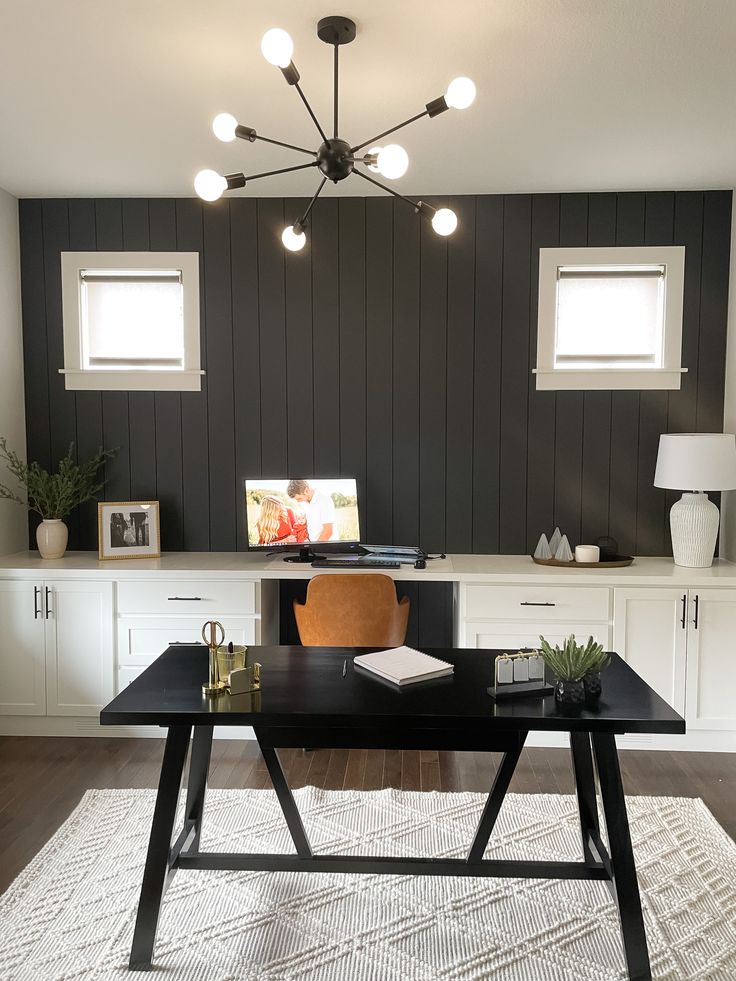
<point>694,527</point>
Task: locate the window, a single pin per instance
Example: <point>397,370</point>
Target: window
<point>131,321</point>
<point>610,318</point>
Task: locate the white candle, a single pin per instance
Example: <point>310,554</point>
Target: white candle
<point>587,553</point>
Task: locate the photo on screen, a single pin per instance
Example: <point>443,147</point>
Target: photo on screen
<point>301,511</point>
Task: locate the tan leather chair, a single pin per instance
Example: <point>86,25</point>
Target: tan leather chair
<point>353,610</point>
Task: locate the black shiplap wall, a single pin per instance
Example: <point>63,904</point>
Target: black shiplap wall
<point>386,352</point>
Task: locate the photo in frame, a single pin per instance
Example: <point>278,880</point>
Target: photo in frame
<point>128,530</point>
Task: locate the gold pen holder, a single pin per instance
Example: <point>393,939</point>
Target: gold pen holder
<point>210,631</point>
<point>228,661</point>
<point>245,679</point>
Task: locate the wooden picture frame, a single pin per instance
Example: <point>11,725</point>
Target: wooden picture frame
<point>128,530</point>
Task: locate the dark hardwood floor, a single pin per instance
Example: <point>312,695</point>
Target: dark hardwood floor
<point>43,779</point>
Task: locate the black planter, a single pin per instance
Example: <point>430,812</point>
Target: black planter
<point>570,693</point>
<point>592,683</point>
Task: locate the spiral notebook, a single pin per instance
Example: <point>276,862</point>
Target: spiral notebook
<point>404,665</point>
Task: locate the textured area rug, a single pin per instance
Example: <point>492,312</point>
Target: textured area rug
<point>70,914</point>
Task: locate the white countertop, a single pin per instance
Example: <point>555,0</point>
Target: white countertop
<point>647,571</point>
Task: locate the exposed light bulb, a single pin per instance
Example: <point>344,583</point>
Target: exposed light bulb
<point>374,151</point>
<point>223,126</point>
<point>393,161</point>
<point>277,47</point>
<point>294,241</point>
<point>460,93</point>
<point>209,185</point>
<point>444,221</point>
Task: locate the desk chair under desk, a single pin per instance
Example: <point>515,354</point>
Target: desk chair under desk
<point>352,610</point>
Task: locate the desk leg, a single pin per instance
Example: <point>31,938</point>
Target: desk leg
<point>199,765</point>
<point>623,870</point>
<point>509,761</point>
<point>285,799</point>
<point>582,768</point>
<point>159,847</point>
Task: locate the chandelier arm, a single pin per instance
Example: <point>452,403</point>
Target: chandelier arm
<point>416,205</point>
<point>289,146</point>
<point>316,122</point>
<point>284,170</point>
<point>305,217</point>
<point>386,132</point>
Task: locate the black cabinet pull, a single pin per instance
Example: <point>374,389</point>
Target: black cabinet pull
<point>36,611</point>
<point>697,603</point>
<point>527,603</point>
<point>185,599</point>
<point>48,606</point>
<point>684,609</point>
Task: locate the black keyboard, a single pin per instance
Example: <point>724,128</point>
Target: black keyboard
<point>363,562</point>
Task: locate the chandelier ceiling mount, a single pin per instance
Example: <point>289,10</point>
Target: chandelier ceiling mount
<point>335,158</point>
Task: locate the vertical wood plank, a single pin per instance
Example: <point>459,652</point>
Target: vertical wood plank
<point>195,456</point>
<point>274,396</point>
<point>460,377</point>
<point>406,377</point>
<point>351,229</point>
<point>569,417</point>
<point>88,405</point>
<point>326,331</point>
<point>713,309</point>
<point>167,405</point>
<point>38,433</point>
<point>487,367</point>
<point>220,383</point>
<point>141,413</point>
<point>659,222</point>
<point>378,515</point>
<point>540,489</point>
<point>625,405</point>
<point>595,486</point>
<point>433,390</point>
<point>246,349</point>
<point>299,354</point>
<point>115,423</point>
<point>517,224</point>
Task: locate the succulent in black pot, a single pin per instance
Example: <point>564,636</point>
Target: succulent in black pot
<point>577,669</point>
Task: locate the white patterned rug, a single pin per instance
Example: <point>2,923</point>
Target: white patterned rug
<point>70,914</point>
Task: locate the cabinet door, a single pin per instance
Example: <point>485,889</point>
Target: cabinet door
<point>711,667</point>
<point>650,634</point>
<point>79,646</point>
<point>22,664</point>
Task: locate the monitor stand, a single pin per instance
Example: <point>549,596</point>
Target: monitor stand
<point>305,554</point>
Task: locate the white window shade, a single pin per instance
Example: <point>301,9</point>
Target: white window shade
<point>131,321</point>
<point>610,318</point>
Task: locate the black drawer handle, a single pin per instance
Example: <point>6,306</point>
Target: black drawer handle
<point>185,599</point>
<point>697,604</point>
<point>684,609</point>
<point>186,643</point>
<point>526,603</point>
<point>36,612</point>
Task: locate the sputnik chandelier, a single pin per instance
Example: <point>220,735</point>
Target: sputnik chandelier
<point>336,159</point>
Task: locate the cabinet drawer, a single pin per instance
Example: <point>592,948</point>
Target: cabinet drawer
<point>570,603</point>
<point>514,636</point>
<point>208,598</point>
<point>141,640</point>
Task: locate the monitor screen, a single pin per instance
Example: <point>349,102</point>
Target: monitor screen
<point>294,512</point>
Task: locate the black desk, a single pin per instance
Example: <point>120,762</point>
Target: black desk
<point>306,701</point>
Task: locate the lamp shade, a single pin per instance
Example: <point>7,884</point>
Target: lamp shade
<point>696,461</point>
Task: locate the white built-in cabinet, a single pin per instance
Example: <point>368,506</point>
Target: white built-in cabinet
<point>56,655</point>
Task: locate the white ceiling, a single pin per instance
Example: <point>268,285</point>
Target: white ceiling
<point>116,98</point>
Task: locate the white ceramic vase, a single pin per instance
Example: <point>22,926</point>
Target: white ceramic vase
<point>694,526</point>
<point>51,536</point>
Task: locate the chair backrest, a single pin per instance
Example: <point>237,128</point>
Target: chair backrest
<point>352,610</point>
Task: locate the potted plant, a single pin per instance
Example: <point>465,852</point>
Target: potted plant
<point>577,669</point>
<point>53,495</point>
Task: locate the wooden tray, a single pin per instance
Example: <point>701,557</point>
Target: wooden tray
<point>618,563</point>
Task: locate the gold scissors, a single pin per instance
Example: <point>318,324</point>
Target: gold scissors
<point>214,685</point>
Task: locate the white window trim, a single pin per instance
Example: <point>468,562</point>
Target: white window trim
<point>79,378</point>
<point>551,378</point>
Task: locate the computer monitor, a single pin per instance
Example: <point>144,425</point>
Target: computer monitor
<point>306,515</point>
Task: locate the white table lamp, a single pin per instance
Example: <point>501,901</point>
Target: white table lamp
<point>695,462</point>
